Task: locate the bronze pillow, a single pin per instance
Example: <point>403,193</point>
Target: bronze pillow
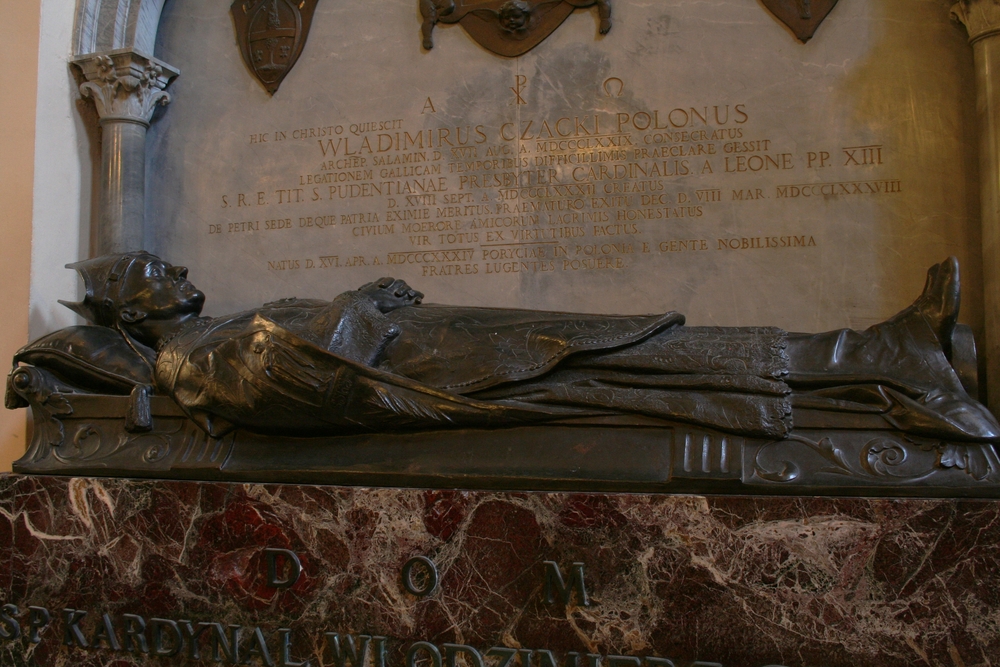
<point>93,359</point>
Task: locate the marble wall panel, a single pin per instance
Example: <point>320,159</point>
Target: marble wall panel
<point>804,186</point>
<point>741,582</point>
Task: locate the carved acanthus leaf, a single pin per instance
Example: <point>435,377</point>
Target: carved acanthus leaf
<point>980,17</point>
<point>125,85</point>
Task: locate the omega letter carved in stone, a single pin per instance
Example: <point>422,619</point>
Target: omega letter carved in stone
<point>506,27</point>
<point>271,35</point>
<point>801,16</point>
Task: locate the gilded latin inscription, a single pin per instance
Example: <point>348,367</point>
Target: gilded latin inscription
<point>599,191</point>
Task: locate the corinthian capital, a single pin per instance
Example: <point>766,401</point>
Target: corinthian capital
<point>125,85</point>
<point>980,17</point>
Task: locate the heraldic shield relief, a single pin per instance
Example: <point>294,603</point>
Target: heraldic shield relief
<point>507,27</point>
<point>801,16</point>
<point>271,35</point>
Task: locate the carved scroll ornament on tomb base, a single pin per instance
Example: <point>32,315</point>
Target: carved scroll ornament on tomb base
<point>271,35</point>
<point>507,27</point>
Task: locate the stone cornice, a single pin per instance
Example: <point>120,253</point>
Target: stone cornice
<point>126,86</point>
<point>980,17</point>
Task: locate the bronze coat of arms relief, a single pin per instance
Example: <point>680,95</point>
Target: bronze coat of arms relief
<point>271,35</point>
<point>507,27</point>
<point>801,16</point>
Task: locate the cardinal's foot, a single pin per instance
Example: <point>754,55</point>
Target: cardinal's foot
<point>940,301</point>
<point>388,294</point>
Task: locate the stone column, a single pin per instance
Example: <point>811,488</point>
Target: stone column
<point>982,20</point>
<point>126,88</point>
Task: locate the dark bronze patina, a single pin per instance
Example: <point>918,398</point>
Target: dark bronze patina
<point>271,35</point>
<point>506,27</point>
<point>374,387</point>
<point>801,16</point>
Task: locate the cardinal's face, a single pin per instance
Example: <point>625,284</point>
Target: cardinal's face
<point>161,291</point>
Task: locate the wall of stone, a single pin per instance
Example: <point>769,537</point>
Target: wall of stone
<point>19,53</point>
<point>45,181</point>
<point>65,153</point>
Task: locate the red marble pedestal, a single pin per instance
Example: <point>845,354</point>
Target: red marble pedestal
<point>668,580</point>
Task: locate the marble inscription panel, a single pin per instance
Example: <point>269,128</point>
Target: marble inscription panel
<point>696,158</point>
<point>522,579</point>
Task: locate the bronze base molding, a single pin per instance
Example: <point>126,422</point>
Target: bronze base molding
<point>87,435</point>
